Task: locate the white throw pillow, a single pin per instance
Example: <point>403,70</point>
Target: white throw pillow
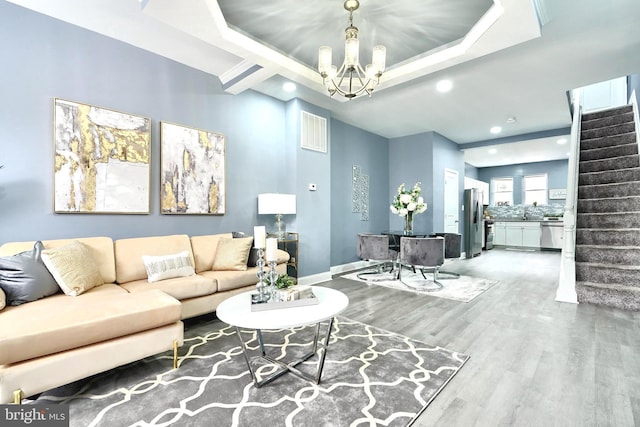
<point>168,266</point>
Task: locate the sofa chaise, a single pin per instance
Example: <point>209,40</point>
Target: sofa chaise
<point>133,308</point>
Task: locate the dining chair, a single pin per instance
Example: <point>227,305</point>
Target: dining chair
<point>452,250</point>
<point>423,254</point>
<point>374,247</point>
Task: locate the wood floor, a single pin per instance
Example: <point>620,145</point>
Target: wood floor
<point>534,361</point>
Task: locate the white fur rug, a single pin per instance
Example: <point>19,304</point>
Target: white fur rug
<point>464,288</point>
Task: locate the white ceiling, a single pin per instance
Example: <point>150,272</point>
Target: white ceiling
<point>506,58</point>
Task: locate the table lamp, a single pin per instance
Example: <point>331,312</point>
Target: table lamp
<point>278,205</point>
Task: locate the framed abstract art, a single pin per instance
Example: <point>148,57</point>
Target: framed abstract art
<point>102,160</point>
<point>192,171</point>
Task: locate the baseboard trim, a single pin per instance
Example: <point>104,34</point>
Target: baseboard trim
<point>343,268</point>
<point>315,278</point>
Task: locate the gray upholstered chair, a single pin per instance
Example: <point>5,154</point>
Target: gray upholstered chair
<point>423,254</point>
<point>373,247</point>
<point>452,250</point>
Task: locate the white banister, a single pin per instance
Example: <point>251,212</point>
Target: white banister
<point>634,104</point>
<point>566,291</point>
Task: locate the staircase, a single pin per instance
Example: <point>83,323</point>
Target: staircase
<point>608,222</point>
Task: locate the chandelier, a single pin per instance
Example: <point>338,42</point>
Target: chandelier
<point>351,80</point>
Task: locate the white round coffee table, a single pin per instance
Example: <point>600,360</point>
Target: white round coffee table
<point>236,311</point>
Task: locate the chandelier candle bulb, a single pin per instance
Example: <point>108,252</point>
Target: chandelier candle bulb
<point>272,249</point>
<point>259,236</point>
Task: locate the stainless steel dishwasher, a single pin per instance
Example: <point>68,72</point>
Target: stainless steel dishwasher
<point>551,236</point>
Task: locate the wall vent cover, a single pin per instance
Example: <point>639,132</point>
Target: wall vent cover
<point>314,132</point>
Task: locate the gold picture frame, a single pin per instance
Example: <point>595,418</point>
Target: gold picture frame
<point>192,171</point>
<point>102,160</point>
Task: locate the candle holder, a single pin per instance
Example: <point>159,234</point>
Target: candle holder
<point>261,286</point>
<point>273,278</point>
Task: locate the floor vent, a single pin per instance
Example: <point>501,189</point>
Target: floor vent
<point>314,132</point>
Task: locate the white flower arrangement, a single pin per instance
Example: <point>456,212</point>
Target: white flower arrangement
<point>408,202</point>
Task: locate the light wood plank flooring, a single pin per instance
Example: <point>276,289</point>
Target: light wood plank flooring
<point>534,361</point>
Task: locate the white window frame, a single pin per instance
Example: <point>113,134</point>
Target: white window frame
<point>543,191</point>
<point>494,190</point>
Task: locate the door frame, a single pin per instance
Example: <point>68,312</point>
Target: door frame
<point>457,196</point>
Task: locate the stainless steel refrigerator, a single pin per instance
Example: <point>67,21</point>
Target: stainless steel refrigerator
<point>473,226</point>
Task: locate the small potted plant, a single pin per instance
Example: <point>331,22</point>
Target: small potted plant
<point>285,281</point>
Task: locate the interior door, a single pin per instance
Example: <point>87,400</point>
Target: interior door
<point>451,202</point>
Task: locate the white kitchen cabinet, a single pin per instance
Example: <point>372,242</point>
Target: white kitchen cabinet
<point>518,234</point>
<point>523,234</point>
<point>499,233</point>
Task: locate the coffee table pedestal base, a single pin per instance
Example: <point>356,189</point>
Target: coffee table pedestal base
<point>319,347</point>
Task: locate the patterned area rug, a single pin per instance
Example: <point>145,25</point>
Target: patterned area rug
<point>371,377</point>
<point>464,288</point>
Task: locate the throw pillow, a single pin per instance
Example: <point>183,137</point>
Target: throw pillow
<point>24,277</point>
<point>253,258</point>
<point>168,266</point>
<point>232,254</point>
<point>73,267</point>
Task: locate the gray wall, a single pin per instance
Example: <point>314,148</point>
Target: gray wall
<point>410,161</point>
<point>52,59</point>
<point>470,171</point>
<point>353,146</point>
<point>446,155</point>
<point>556,171</point>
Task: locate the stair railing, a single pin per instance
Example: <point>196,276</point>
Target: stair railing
<point>566,291</point>
<point>633,100</point>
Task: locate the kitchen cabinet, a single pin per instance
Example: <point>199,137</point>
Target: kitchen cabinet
<point>500,233</point>
<point>524,234</point>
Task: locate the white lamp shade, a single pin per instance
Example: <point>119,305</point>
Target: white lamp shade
<point>351,52</point>
<point>275,203</point>
<point>324,59</point>
<point>379,58</point>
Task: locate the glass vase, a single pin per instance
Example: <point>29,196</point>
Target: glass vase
<point>408,223</point>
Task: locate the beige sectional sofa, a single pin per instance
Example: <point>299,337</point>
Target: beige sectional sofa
<point>60,338</point>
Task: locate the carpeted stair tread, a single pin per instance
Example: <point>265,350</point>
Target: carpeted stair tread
<point>608,141</point>
<point>608,273</point>
<point>607,131</point>
<point>607,121</point>
<point>604,191</point>
<point>615,255</point>
<point>609,204</point>
<point>609,220</point>
<point>610,295</point>
<point>608,177</point>
<point>608,152</point>
<point>611,163</point>
<point>610,237</point>
<point>605,113</point>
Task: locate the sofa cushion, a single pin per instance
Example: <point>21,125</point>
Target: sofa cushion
<point>168,266</point>
<point>59,323</point>
<point>204,249</point>
<point>73,267</point>
<point>101,249</point>
<point>25,278</point>
<point>180,287</point>
<point>232,254</point>
<point>3,299</point>
<point>237,279</point>
<point>129,253</point>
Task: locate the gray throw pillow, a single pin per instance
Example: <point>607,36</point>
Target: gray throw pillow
<point>24,277</point>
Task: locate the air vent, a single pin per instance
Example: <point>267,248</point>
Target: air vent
<point>314,132</point>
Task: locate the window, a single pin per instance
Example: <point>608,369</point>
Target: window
<point>535,189</point>
<point>502,190</point>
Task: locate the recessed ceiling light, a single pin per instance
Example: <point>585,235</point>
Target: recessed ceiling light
<point>495,129</point>
<point>289,86</point>
<point>511,120</point>
<point>568,153</point>
<point>444,85</point>
<point>562,141</point>
<point>492,151</point>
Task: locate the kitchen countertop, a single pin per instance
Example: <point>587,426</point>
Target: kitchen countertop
<point>527,220</point>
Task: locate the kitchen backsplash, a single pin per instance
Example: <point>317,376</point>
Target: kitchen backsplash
<point>520,211</point>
